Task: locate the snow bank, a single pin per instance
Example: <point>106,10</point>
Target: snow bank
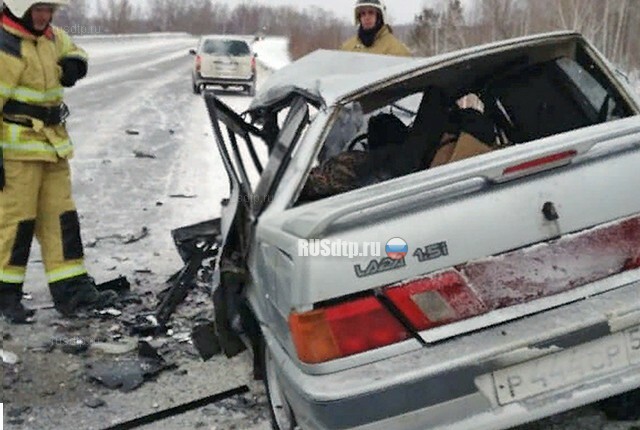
<point>273,52</point>
<point>138,36</point>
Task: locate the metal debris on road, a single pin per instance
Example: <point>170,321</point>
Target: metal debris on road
<point>9,357</point>
<point>94,402</point>
<point>178,410</point>
<point>75,345</point>
<point>119,285</point>
<point>139,154</point>
<point>205,340</point>
<point>129,374</point>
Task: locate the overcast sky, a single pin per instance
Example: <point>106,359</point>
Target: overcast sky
<point>400,11</point>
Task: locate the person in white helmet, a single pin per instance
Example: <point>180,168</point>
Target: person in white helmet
<point>37,60</point>
<point>375,36</point>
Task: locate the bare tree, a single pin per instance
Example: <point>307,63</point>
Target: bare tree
<point>75,15</point>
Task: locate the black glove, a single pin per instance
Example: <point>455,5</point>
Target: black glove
<point>72,70</point>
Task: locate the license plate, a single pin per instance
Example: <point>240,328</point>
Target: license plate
<point>568,367</point>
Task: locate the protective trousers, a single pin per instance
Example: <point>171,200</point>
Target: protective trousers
<point>37,199</point>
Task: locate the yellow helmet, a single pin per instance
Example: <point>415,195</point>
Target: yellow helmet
<point>378,4</point>
<point>20,7</point>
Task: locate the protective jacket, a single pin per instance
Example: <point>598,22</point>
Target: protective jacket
<point>36,198</point>
<point>30,76</point>
<point>385,43</point>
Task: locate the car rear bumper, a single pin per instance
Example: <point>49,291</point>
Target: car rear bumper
<point>451,385</point>
<point>199,80</point>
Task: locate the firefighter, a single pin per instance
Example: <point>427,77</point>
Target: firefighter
<point>37,60</point>
<point>375,36</point>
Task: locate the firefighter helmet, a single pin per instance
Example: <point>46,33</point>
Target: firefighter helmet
<point>378,4</point>
<point>20,7</point>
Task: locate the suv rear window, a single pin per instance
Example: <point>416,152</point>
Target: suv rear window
<point>233,48</point>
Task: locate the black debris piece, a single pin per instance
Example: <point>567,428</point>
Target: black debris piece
<point>183,282</point>
<point>94,402</point>
<point>140,154</point>
<point>18,411</point>
<point>144,325</point>
<point>129,374</point>
<point>120,285</point>
<point>145,350</point>
<point>132,132</point>
<point>75,346</point>
<point>205,340</point>
<point>188,239</point>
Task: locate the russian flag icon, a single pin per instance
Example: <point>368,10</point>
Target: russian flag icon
<point>396,248</point>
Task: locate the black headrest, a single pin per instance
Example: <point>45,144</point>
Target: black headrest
<point>385,129</point>
<point>473,122</point>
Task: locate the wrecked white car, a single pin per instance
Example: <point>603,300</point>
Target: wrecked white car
<point>506,284</point>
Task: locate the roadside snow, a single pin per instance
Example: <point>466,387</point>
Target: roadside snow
<point>101,48</point>
<point>273,52</point>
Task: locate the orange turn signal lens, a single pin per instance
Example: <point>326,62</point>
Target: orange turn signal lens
<point>344,329</point>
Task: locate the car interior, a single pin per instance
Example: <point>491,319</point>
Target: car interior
<point>487,103</point>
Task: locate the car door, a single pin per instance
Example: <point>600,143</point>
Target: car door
<point>251,187</point>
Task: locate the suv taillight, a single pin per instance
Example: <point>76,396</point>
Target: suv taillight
<point>198,63</point>
<point>436,300</point>
<point>253,64</point>
<point>344,329</point>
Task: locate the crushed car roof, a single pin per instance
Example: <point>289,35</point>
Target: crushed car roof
<point>326,76</point>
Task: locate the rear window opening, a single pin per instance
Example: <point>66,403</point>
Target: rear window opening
<point>461,113</point>
<point>232,48</point>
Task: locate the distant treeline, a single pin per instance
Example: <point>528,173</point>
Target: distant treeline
<point>611,24</point>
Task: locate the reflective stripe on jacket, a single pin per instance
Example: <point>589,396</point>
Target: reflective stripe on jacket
<point>30,73</point>
<point>385,43</point>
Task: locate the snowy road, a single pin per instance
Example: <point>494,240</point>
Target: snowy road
<point>137,99</point>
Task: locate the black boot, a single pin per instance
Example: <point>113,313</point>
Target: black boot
<point>71,295</point>
<point>11,306</point>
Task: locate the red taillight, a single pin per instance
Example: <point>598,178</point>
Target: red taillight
<point>253,63</point>
<point>437,300</point>
<point>344,329</point>
<point>542,163</point>
<point>198,63</point>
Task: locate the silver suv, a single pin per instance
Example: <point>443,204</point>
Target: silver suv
<point>226,61</point>
<point>440,243</point>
